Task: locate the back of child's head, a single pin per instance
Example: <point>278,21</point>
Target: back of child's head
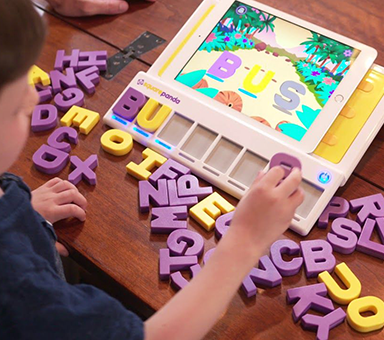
<point>22,35</point>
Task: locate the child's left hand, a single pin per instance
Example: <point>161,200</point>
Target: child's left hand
<point>57,200</point>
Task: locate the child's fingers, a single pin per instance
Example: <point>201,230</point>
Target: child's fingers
<point>69,210</point>
<point>52,182</point>
<point>71,196</point>
<point>291,183</point>
<point>62,186</point>
<point>273,177</point>
<point>61,249</point>
<point>297,198</point>
<point>110,7</point>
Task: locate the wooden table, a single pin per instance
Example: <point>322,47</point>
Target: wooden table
<point>115,242</point>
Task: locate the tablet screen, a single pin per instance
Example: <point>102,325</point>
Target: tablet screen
<point>271,70</point>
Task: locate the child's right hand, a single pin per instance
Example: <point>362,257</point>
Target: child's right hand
<point>267,209</point>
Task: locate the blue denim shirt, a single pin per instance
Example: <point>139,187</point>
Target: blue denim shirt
<point>35,301</point>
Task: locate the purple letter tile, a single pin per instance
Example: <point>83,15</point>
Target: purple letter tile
<point>56,138</point>
<point>44,92</point>
<point>185,242</point>
<point>148,193</point>
<point>286,268</point>
<point>50,160</point>
<point>309,297</point>
<point>62,81</point>
<point>317,256</point>
<point>337,207</point>
<point>168,219</point>
<point>44,117</point>
<point>343,235</point>
<point>287,162</point>
<point>129,104</point>
<point>323,324</point>
<point>222,224</point>
<point>93,58</point>
<point>188,185</point>
<point>169,170</point>
<point>83,170</point>
<point>168,264</point>
<point>371,206</point>
<point>267,276</point>
<point>174,198</point>
<point>63,61</point>
<point>178,281</point>
<point>365,245</point>
<point>64,101</point>
<point>208,255</point>
<point>88,79</point>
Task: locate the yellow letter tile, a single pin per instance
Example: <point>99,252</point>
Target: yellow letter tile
<point>83,118</point>
<point>142,171</point>
<point>337,294</point>
<point>209,209</point>
<point>370,323</point>
<point>116,142</point>
<point>37,75</point>
<point>148,119</point>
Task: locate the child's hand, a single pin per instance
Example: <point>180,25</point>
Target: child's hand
<point>267,209</point>
<point>57,200</point>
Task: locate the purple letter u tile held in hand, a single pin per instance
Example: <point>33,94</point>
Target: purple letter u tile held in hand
<point>178,281</point>
<point>56,138</point>
<point>365,245</point>
<point>317,256</point>
<point>88,79</point>
<point>309,297</point>
<point>83,170</point>
<point>168,219</point>
<point>286,268</point>
<point>337,207</point>
<point>50,160</point>
<point>323,324</point>
<point>188,185</point>
<point>169,170</point>
<point>287,162</point>
<point>149,194</point>
<point>44,117</point>
<point>174,198</point>
<point>168,264</point>
<point>68,98</point>
<point>267,276</point>
<point>343,235</point>
<point>93,58</point>
<point>371,206</point>
<point>222,224</point>
<point>185,242</point>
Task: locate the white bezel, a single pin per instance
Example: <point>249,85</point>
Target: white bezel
<point>329,112</point>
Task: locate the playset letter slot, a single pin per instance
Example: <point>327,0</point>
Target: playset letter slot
<point>176,128</point>
<point>248,167</point>
<point>223,155</point>
<point>311,196</point>
<point>199,142</point>
<point>152,115</point>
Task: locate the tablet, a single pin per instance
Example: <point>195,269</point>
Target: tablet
<point>284,75</point>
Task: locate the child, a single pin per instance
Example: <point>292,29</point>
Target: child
<point>35,300</point>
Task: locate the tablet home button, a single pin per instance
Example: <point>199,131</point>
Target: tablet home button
<point>339,98</point>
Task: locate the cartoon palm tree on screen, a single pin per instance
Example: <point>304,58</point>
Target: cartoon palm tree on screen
<point>316,42</point>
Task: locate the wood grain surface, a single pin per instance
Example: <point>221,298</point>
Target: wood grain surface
<point>115,240</point>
